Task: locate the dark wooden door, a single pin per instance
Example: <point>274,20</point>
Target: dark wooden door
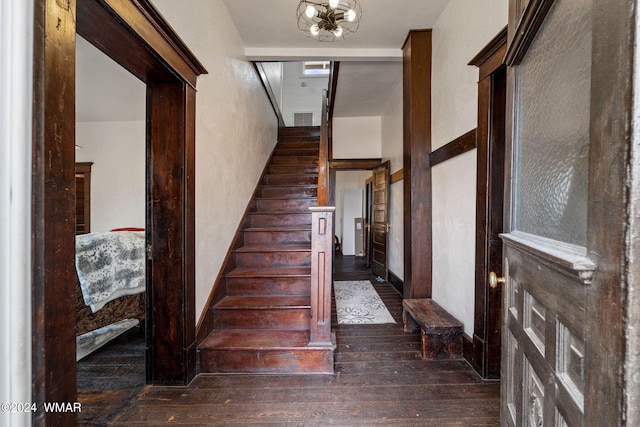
<point>367,220</point>
<point>566,250</point>
<point>380,220</point>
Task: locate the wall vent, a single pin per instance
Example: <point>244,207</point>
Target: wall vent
<point>303,119</point>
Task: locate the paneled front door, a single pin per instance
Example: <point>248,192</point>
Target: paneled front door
<point>565,259</point>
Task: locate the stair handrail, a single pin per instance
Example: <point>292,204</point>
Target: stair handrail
<point>322,233</point>
<point>323,156</point>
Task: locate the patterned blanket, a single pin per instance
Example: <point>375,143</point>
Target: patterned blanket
<point>110,265</point>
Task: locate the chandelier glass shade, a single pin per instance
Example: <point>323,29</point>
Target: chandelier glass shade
<point>328,20</point>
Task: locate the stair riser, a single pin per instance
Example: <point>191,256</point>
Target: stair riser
<point>273,259</point>
<point>291,179</point>
<point>256,286</point>
<point>283,205</point>
<point>289,192</point>
<point>302,361</point>
<point>294,145</point>
<point>302,237</point>
<point>289,160</point>
<point>280,219</point>
<point>295,170</point>
<point>267,319</point>
<point>296,152</point>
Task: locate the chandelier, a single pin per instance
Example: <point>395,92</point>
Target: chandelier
<point>327,20</point>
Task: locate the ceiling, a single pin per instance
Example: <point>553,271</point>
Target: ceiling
<point>370,69</point>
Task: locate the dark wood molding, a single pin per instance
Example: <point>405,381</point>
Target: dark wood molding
<point>395,281</point>
<point>458,146</point>
<point>530,22</point>
<point>354,164</point>
<point>490,137</point>
<point>53,212</point>
<point>417,168</point>
<point>492,55</point>
<point>138,25</point>
<point>273,99</point>
<point>166,68</point>
<point>397,176</point>
<point>333,84</point>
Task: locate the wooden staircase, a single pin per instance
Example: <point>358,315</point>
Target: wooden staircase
<point>262,324</point>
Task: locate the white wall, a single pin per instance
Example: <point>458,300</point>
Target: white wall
<point>117,150</point>
<point>462,30</point>
<point>274,73</point>
<point>350,186</point>
<point>301,94</point>
<point>392,145</point>
<point>236,130</point>
<point>356,137</point>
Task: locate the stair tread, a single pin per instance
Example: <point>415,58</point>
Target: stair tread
<point>275,248</point>
<point>271,272</point>
<point>243,339</point>
<point>263,302</point>
<point>301,227</point>
<point>288,199</point>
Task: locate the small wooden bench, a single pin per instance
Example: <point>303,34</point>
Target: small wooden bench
<point>441,332</point>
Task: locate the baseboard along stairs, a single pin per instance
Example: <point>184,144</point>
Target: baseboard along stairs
<point>261,325</point>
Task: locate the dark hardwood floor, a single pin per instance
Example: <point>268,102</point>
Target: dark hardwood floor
<point>380,379</point>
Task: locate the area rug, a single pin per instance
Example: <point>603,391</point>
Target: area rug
<point>358,303</point>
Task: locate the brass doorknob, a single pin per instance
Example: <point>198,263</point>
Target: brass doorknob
<point>494,280</point>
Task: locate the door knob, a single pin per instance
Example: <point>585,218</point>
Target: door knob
<point>494,280</point>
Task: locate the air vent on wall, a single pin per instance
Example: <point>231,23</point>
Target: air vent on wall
<point>303,119</point>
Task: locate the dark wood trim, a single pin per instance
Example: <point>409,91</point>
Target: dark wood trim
<point>333,84</point>
<point>142,21</point>
<point>492,55</point>
<point>490,137</point>
<point>53,211</point>
<point>395,281</point>
<point>273,99</point>
<point>458,146</point>
<point>396,176</point>
<point>612,219</point>
<point>171,233</point>
<point>528,26</point>
<point>417,169</point>
<point>354,164</point>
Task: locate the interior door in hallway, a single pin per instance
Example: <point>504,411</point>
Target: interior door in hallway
<point>380,220</point>
<point>564,251</point>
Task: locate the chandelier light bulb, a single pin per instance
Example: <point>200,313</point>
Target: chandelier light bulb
<point>311,11</point>
<point>328,20</point>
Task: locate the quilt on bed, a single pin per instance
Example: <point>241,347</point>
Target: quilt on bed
<point>110,265</point>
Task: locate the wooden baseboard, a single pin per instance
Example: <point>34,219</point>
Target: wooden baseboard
<point>396,282</point>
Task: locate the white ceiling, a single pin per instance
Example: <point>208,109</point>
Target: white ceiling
<point>370,70</point>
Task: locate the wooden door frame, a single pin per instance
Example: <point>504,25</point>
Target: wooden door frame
<point>484,352</point>
<point>135,35</point>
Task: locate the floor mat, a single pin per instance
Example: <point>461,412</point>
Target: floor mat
<point>357,303</point>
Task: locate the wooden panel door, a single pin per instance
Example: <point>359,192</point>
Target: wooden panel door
<point>380,220</point>
<point>565,359</point>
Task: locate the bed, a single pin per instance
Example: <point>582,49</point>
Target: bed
<point>110,298</point>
